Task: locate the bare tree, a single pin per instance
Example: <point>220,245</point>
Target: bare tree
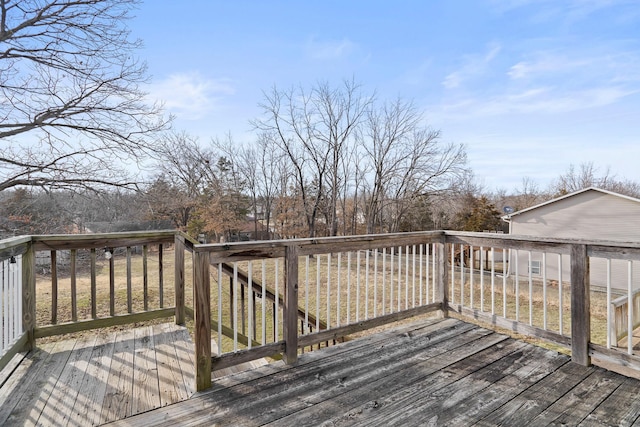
<point>313,130</point>
<point>73,111</point>
<point>406,161</point>
<point>588,175</point>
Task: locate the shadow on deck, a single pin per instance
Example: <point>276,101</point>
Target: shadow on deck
<point>98,378</point>
<point>444,372</point>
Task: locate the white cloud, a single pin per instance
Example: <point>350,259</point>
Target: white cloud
<point>474,65</point>
<point>190,96</point>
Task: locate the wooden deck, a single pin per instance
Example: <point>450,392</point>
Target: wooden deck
<point>98,378</point>
<point>433,373</point>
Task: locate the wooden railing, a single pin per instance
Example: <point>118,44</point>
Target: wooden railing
<point>532,286</point>
<point>61,284</point>
<point>280,298</point>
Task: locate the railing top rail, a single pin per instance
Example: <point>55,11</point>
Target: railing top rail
<point>13,246</point>
<point>307,246</point>
<point>85,241</point>
<point>512,239</point>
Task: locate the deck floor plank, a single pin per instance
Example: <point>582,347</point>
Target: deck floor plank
<point>170,379</point>
<point>91,392</point>
<point>59,406</point>
<point>428,400</point>
<point>119,392</point>
<point>580,401</point>
<point>330,377</point>
<point>444,372</point>
<point>185,357</point>
<point>536,399</point>
<point>146,389</point>
<point>270,390</point>
<point>477,406</point>
<point>40,387</point>
<point>620,405</point>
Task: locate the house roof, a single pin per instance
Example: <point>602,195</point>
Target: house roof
<point>566,196</point>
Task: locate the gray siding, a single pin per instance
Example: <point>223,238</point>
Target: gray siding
<point>588,215</point>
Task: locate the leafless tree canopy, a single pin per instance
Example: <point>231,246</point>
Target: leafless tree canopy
<point>72,105</point>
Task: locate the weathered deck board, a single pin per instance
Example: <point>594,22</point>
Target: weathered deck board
<point>443,373</point>
<point>92,380</point>
<point>119,392</point>
<point>146,389</point>
<point>438,372</point>
<point>88,405</point>
<point>32,400</point>
<point>65,391</point>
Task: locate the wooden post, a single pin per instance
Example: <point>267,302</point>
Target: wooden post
<point>580,306</point>
<point>202,324</point>
<point>29,296</point>
<point>179,278</point>
<point>290,317</point>
<point>442,279</point>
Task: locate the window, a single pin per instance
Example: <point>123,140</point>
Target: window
<point>535,267</point>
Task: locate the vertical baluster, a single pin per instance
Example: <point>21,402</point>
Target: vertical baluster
<point>328,291</point>
<point>420,271</point>
<point>399,293</point>
<point>530,292</point>
<point>129,290</point>
<point>358,286</point>
<point>630,307</point>
<point>493,282</point>
<point>366,281</point>
<point>219,309</point>
<point>306,293</point>
<point>348,287</point>
<point>235,306</point>
<point>481,278</point>
<point>317,292</point>
<point>544,291</point>
<point>610,332</point>
<point>375,282</point>
<point>251,304</point>
<point>93,283</point>
<point>504,283</point>
<point>160,276</point>
<point>517,278</point>
<point>74,295</point>
<point>461,275</point>
<point>276,285</point>
<point>560,297</point>
<point>406,277</point>
<point>264,302</point>
<point>471,273</point>
<point>145,278</point>
<point>338,289</point>
<point>384,284</point>
<point>391,257</point>
<point>453,274</point>
<point>54,287</point>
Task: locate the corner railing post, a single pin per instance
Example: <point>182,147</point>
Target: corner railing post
<point>29,296</point>
<point>442,279</point>
<point>202,321</point>
<point>580,305</point>
<point>290,320</point>
<point>179,278</point>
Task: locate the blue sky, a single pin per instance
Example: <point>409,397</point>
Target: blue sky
<point>529,86</point>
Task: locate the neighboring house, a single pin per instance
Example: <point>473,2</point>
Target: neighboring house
<point>590,214</point>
